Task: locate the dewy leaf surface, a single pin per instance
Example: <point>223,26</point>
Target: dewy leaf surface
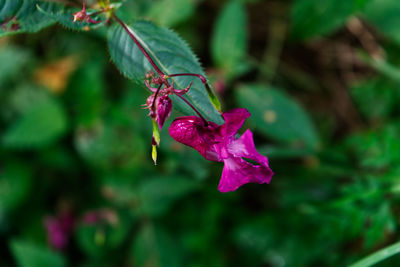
<point>170,53</point>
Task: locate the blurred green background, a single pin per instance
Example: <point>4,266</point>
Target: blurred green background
<point>321,79</point>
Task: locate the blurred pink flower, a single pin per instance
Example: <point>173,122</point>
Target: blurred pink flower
<point>59,230</point>
<point>218,143</point>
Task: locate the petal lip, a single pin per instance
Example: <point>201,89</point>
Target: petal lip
<point>238,172</point>
<point>244,147</point>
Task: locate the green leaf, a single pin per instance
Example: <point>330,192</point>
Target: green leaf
<point>14,60</point>
<point>31,255</point>
<point>278,116</point>
<point>156,195</point>
<point>173,11</point>
<point>98,238</point>
<point>40,125</point>
<point>109,144</point>
<point>378,256</point>
<point>312,18</point>
<point>154,247</point>
<point>378,148</point>
<point>18,16</point>
<point>88,85</point>
<point>229,40</point>
<point>9,8</point>
<point>385,16</point>
<point>15,184</point>
<point>170,53</point>
<point>376,98</point>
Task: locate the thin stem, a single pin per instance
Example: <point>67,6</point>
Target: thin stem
<point>148,57</point>
<point>201,77</point>
<point>210,93</point>
<point>153,105</point>
<point>195,110</point>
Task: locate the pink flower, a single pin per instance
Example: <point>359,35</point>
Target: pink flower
<point>59,229</point>
<point>218,143</point>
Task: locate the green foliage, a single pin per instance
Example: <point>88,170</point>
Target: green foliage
<point>40,125</point>
<point>172,55</point>
<point>19,16</point>
<point>17,59</point>
<point>377,148</point>
<point>31,255</point>
<point>156,195</point>
<point>229,40</point>
<point>15,184</point>
<point>328,121</point>
<point>378,256</point>
<point>375,98</point>
<point>153,246</point>
<point>383,15</point>
<point>96,240</point>
<point>315,18</point>
<point>173,11</point>
<point>278,116</point>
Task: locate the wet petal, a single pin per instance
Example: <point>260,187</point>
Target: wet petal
<point>238,172</point>
<point>234,120</point>
<point>190,131</point>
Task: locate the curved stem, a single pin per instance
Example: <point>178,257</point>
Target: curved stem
<point>195,110</point>
<point>211,95</point>
<point>148,57</point>
<point>153,105</point>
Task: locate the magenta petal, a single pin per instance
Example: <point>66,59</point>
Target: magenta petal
<point>234,120</point>
<point>238,172</point>
<point>163,110</point>
<point>190,131</point>
<point>244,147</point>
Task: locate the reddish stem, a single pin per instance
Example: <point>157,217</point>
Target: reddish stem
<point>195,110</point>
<point>153,105</point>
<point>201,77</point>
<point>148,57</point>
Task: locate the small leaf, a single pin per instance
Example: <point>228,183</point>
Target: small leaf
<point>154,247</point>
<point>31,255</point>
<point>385,16</point>
<point>170,53</point>
<point>13,61</point>
<point>378,256</point>
<point>157,195</point>
<point>312,18</point>
<point>173,11</point>
<point>277,115</point>
<point>42,124</point>
<point>15,183</point>
<point>98,238</point>
<point>229,40</point>
<point>376,98</point>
